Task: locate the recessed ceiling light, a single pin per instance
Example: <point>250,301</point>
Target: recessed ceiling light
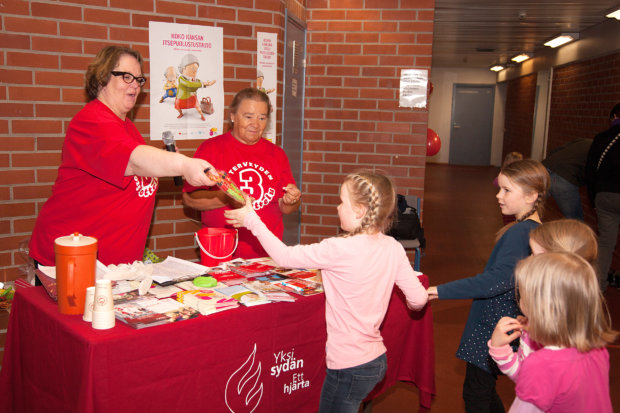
<point>497,68</point>
<point>614,14</point>
<point>562,39</point>
<point>520,57</point>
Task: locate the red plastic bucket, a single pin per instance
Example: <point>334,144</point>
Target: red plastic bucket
<point>216,245</point>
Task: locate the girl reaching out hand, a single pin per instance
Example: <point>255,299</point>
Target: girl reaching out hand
<point>523,187</point>
<point>565,333</point>
<point>359,270</point>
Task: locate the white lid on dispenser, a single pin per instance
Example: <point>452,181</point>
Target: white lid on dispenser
<point>75,240</point>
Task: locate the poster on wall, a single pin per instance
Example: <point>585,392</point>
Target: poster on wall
<point>187,80</point>
<point>413,88</point>
<point>267,76</point>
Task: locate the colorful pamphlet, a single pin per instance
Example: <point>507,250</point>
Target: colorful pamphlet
<point>300,286</point>
<point>244,295</point>
<point>269,290</point>
<point>148,311</point>
<point>251,269</point>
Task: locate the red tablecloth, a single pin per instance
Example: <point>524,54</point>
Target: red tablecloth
<point>264,359</point>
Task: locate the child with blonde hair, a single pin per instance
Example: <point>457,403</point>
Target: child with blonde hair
<point>566,315</point>
<point>359,270</point>
<point>568,235</point>
<point>523,187</point>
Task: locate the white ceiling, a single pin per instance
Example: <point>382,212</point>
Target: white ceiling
<point>480,33</point>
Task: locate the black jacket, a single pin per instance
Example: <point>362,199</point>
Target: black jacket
<point>607,177</point>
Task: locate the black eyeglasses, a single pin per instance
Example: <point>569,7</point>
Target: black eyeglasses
<point>128,78</point>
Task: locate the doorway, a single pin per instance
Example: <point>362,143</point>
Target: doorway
<point>293,113</point>
<point>472,124</point>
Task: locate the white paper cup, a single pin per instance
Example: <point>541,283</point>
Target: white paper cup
<point>88,304</point>
<point>102,320</point>
<point>103,296</point>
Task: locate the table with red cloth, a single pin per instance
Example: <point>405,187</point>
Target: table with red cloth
<point>264,358</point>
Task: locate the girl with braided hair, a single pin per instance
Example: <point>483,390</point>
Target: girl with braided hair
<point>359,270</point>
<point>523,186</point>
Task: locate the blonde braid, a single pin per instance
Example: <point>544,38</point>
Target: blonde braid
<point>367,195</point>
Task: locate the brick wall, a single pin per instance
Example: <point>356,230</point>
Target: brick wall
<point>519,123</point>
<point>355,52</point>
<point>45,50</point>
<point>582,95</point>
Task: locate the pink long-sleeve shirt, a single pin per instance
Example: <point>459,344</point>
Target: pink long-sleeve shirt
<point>358,273</point>
<point>555,380</point>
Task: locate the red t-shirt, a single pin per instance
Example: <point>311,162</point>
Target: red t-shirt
<point>260,170</point>
<point>92,196</point>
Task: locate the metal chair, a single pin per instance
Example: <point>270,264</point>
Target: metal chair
<point>413,243</point>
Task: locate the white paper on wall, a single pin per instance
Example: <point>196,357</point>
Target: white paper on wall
<point>267,75</point>
<point>413,88</point>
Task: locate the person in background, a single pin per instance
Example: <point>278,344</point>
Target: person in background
<point>562,364</point>
<point>565,235</point>
<point>359,270</point>
<point>510,158</point>
<point>603,180</point>
<point>523,189</point>
<point>257,166</point>
<point>107,179</point>
<point>566,166</point>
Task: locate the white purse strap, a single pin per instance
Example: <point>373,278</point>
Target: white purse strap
<point>606,150</point>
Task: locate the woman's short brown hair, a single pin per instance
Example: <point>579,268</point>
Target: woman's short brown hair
<point>249,93</point>
<point>98,72</point>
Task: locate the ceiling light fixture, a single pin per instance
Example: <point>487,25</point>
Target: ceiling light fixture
<point>497,68</point>
<point>520,57</point>
<point>614,14</point>
<point>562,39</point>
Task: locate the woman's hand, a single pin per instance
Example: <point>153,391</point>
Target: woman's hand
<point>194,171</point>
<point>432,293</point>
<point>235,217</point>
<point>292,194</point>
<point>507,330</point>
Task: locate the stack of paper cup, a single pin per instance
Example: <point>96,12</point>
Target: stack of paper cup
<point>103,307</point>
<point>88,304</point>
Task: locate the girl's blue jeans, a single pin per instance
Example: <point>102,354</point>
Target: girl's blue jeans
<point>343,390</point>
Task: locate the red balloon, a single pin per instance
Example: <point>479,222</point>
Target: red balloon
<point>433,143</point>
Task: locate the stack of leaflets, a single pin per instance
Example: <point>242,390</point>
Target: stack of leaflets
<point>207,301</point>
<point>227,277</point>
<point>274,277</point>
<point>298,273</point>
<point>173,270</point>
<point>300,286</point>
<point>270,291</point>
<point>148,311</point>
<point>244,295</point>
<point>251,268</point>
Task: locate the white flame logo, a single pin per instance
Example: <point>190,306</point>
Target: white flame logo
<point>243,389</point>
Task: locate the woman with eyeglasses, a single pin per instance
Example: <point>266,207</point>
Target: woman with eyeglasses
<point>107,179</point>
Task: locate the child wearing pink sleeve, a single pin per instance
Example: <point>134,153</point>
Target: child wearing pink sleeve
<point>359,270</point>
<point>562,364</point>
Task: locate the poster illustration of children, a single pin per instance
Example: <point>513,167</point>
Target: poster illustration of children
<point>188,85</point>
<point>170,87</point>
